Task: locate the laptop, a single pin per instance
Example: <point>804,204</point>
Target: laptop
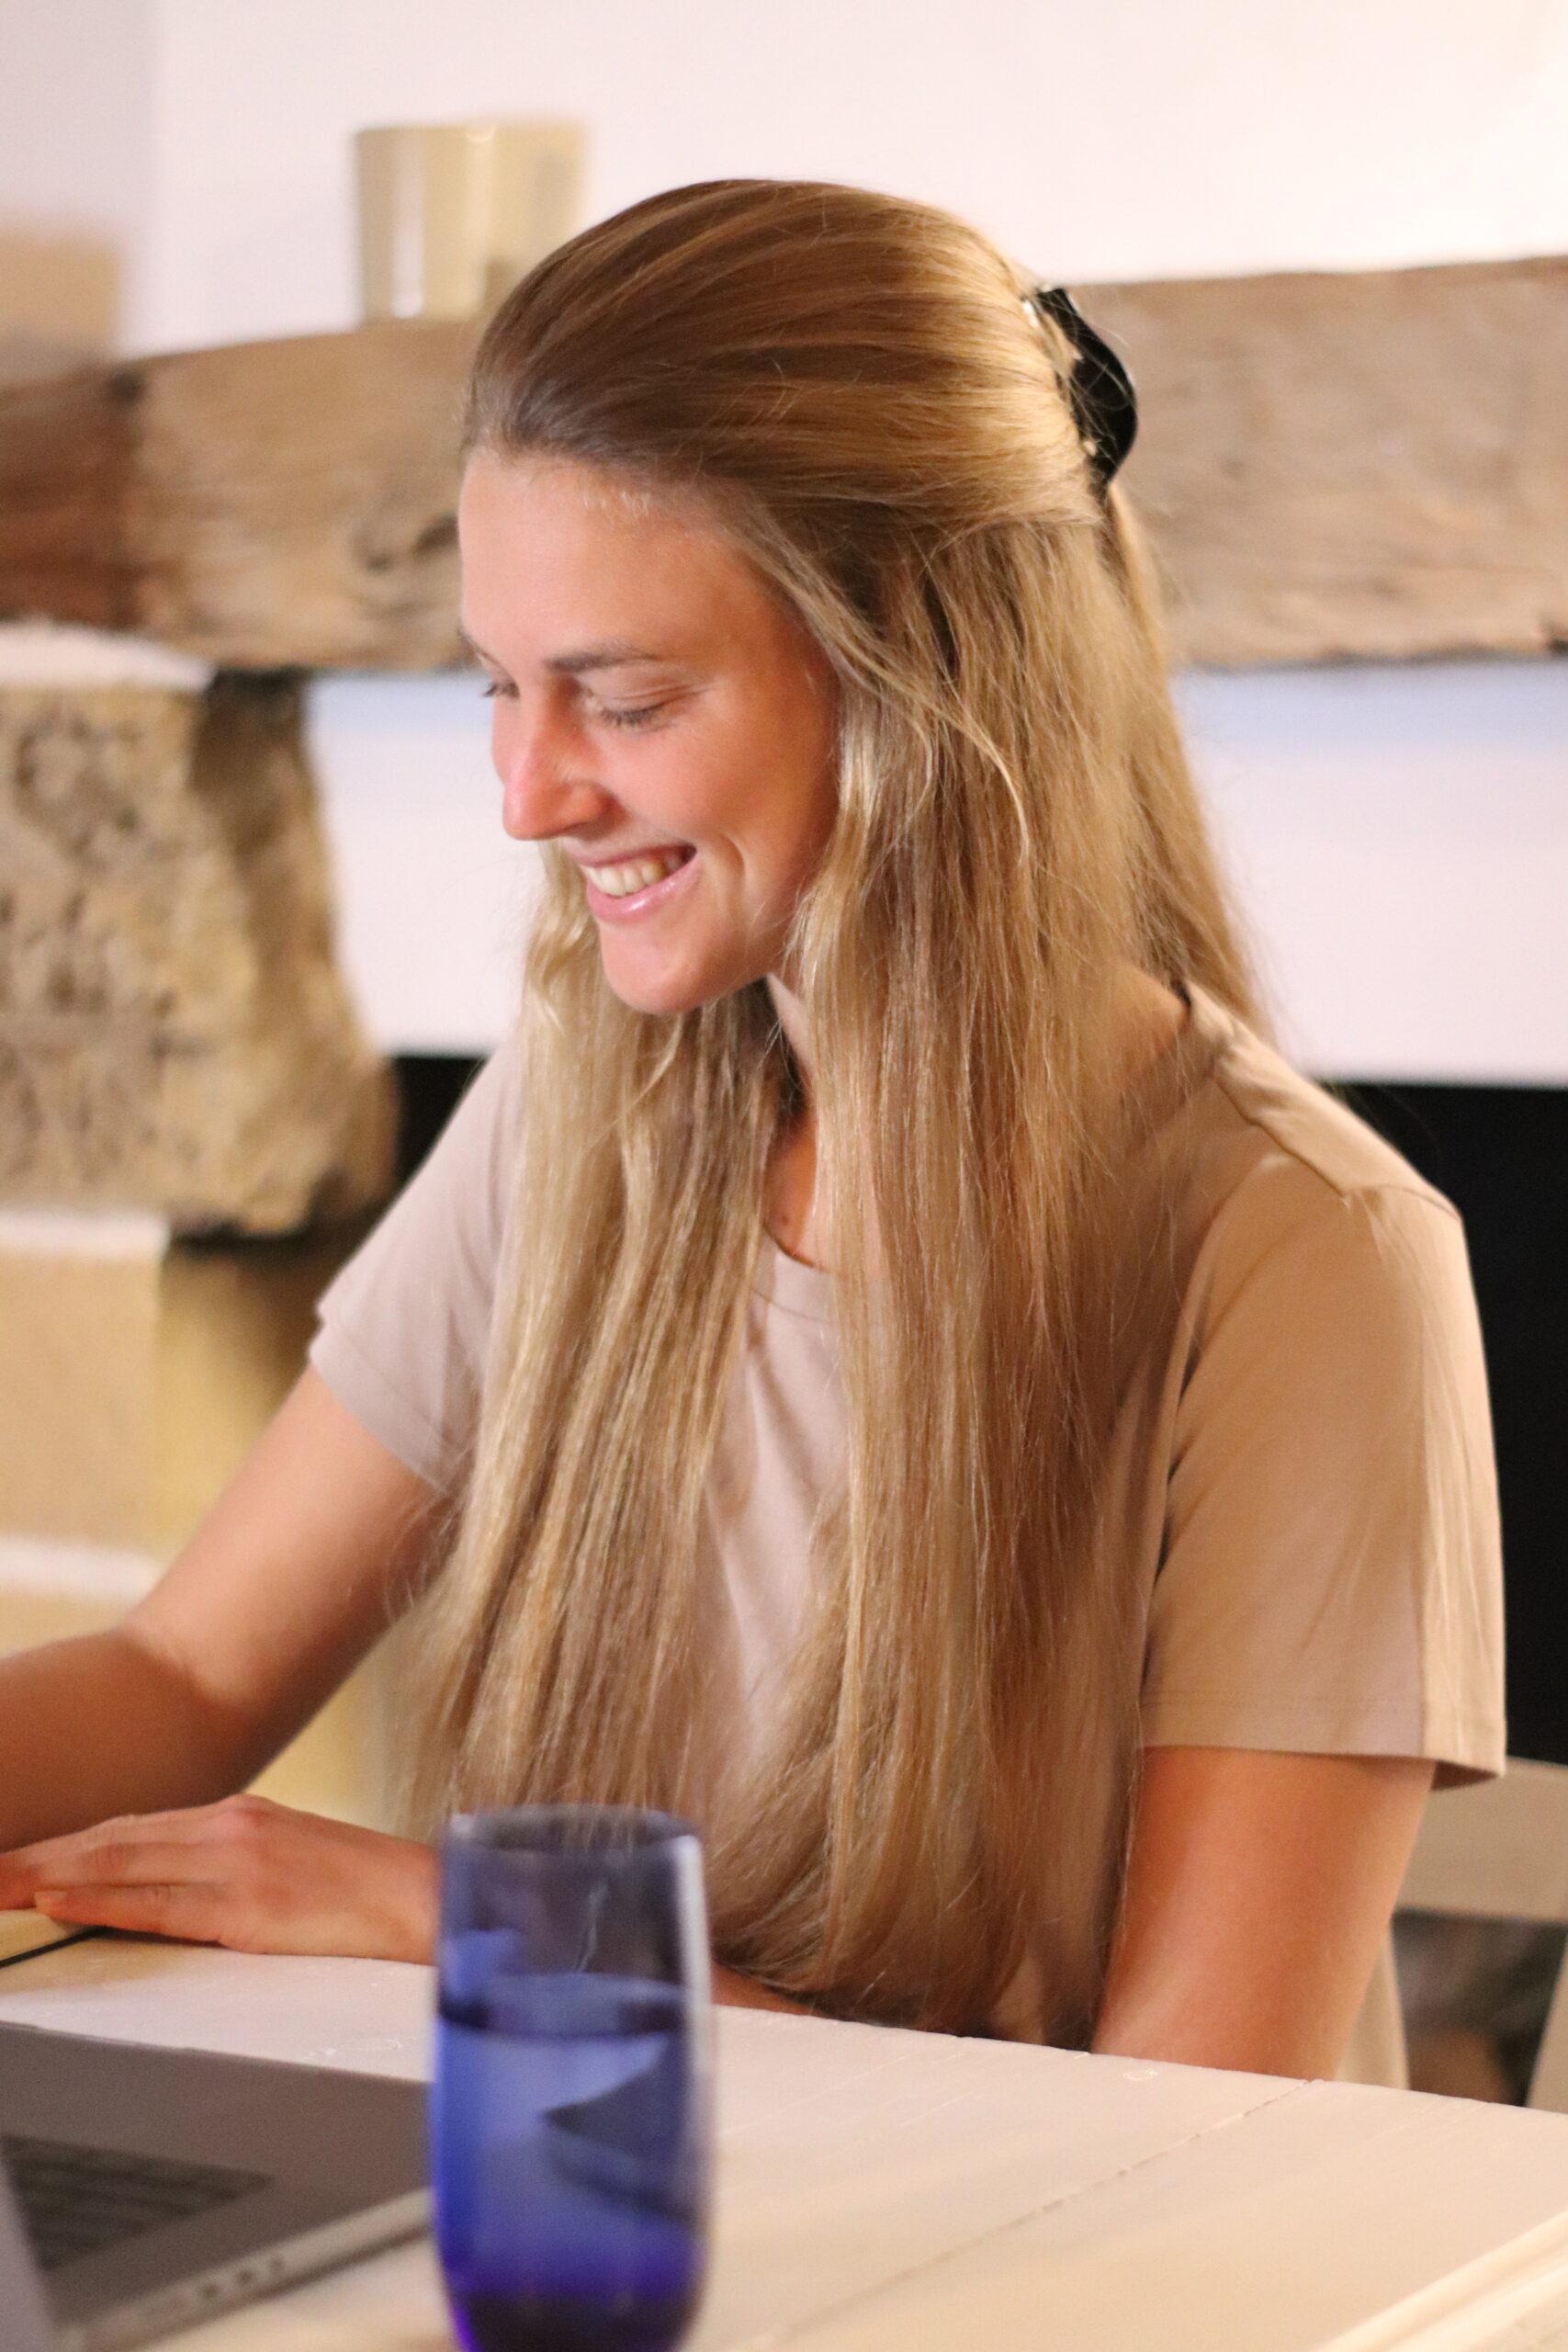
<point>143,2189</point>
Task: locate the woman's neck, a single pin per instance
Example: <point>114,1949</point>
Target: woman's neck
<point>1151,1020</point>
<point>792,1021</point>
<point>789,1210</point>
<point>789,1205</point>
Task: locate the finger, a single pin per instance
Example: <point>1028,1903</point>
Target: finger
<point>188,1825</point>
<point>18,1883</point>
<point>236,1822</point>
<point>197,1914</point>
<point>54,1860</point>
<point>129,1863</point>
<point>188,1914</point>
<point>16,1887</point>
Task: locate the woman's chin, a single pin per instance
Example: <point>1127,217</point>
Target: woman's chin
<point>645,985</point>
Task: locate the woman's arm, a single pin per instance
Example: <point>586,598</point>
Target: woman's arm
<point>299,1567</point>
<point>1259,1889</point>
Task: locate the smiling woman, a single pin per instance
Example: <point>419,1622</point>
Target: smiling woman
<point>886,1358</point>
<point>673,734</point>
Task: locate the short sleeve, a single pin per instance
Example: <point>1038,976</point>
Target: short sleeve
<point>1330,1579</point>
<point>405,1327</point>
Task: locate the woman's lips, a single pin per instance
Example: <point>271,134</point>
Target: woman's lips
<point>667,871</point>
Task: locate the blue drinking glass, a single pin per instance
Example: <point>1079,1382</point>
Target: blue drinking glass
<point>571,2118</point>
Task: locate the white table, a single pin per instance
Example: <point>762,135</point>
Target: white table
<point>898,2192</point>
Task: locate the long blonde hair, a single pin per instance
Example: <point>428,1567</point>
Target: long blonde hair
<point>854,389</point>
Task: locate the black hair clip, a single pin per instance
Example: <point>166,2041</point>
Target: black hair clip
<point>1105,407</point>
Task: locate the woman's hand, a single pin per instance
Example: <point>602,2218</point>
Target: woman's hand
<point>245,1873</point>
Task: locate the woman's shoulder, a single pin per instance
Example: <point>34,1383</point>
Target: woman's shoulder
<point>1328,1579</point>
<point>405,1328</point>
<point>1287,1215</point>
<point>459,1201</point>
<point>1266,1150</point>
<point>478,1146</point>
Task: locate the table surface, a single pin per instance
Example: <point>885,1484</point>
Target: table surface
<point>882,2191</point>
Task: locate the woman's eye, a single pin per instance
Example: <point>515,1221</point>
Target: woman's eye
<point>630,714</point>
<point>494,687</point>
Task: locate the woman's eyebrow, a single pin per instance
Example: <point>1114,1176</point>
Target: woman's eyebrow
<point>610,653</point>
<point>472,645</point>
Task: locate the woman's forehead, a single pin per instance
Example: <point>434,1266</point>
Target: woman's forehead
<point>550,545</point>
<point>531,491</point>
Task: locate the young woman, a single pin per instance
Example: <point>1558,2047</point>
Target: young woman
<point>887,1359</point>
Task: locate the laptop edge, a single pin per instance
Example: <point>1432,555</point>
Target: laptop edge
<point>288,2247</point>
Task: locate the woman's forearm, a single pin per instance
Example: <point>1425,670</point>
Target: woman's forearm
<point>105,1725</point>
<point>290,1578</point>
<point>1259,1889</point>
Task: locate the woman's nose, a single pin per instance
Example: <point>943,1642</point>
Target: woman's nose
<point>544,791</point>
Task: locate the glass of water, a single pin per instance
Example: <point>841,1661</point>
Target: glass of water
<point>572,2119</point>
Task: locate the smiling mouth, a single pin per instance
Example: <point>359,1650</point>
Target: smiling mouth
<point>619,880</point>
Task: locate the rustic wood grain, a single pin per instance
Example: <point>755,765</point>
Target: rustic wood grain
<point>267,505</point>
<point>67,460</point>
<point>295,503</point>
<point>1372,465</point>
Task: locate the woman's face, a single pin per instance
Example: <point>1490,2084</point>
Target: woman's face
<point>658,715</point>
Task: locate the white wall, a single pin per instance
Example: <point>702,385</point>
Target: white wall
<point>205,141</point>
<point>1400,834</point>
<point>1121,139</point>
<point>77,112</point>
<point>1398,838</point>
<point>432,896</point>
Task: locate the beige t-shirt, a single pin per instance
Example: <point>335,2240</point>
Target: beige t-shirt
<point>1302,1470</point>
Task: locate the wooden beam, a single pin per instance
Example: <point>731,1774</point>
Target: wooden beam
<point>1372,465</point>
<point>267,505</point>
<point>67,460</point>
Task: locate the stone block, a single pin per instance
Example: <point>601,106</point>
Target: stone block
<point>175,1033</point>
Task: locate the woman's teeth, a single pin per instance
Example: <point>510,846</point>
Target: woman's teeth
<point>635,874</point>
